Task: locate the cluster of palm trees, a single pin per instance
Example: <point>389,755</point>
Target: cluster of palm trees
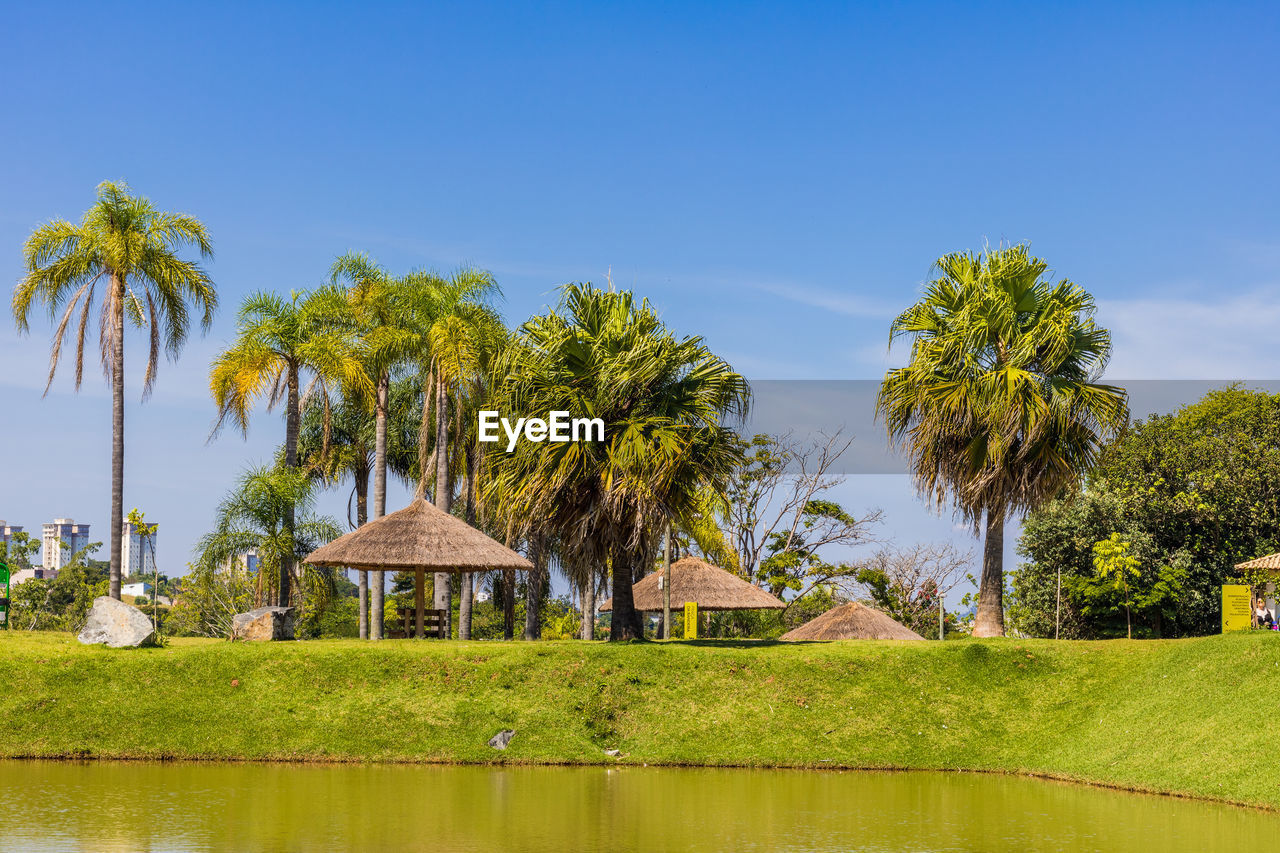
<point>999,407</point>
<point>338,350</point>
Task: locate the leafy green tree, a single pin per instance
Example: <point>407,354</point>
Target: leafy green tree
<point>1196,492</point>
<point>121,262</point>
<point>22,547</point>
<point>61,603</point>
<point>909,582</point>
<point>777,525</point>
<point>1114,563</point>
<point>255,516</point>
<point>208,598</point>
<point>999,407</point>
<point>278,343</point>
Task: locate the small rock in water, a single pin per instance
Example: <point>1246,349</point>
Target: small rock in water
<point>117,625</point>
<point>613,753</point>
<point>502,738</point>
<point>263,623</point>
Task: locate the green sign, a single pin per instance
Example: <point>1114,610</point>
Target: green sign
<point>4,594</point>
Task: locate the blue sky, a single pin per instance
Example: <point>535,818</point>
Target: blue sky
<point>776,179</point>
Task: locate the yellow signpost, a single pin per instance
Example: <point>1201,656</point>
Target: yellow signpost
<point>1237,608</point>
<point>691,620</point>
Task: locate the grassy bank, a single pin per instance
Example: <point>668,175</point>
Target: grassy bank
<point>1182,716</point>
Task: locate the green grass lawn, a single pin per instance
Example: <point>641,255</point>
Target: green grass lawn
<point>1180,716</point>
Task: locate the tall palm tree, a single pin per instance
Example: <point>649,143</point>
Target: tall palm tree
<point>278,342</point>
<point>665,401</point>
<point>126,252</point>
<point>377,305</point>
<point>453,329</point>
<point>1000,406</point>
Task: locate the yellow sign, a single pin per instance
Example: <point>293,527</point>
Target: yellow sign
<point>691,620</point>
<point>1237,610</point>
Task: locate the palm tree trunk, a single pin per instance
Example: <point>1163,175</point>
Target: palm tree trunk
<point>533,591</point>
<point>508,601</point>
<point>467,598</point>
<point>442,594</point>
<point>625,624</point>
<point>117,437</point>
<point>589,606</point>
<point>988,621</point>
<point>362,516</point>
<point>377,603</point>
<point>426,461</point>
<point>292,420</point>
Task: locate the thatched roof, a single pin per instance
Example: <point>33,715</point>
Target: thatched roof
<point>1271,561</point>
<point>852,621</point>
<point>417,537</point>
<point>697,580</point>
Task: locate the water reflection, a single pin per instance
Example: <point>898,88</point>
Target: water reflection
<point>198,807</point>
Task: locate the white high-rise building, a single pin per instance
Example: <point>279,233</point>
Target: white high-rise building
<point>137,559</point>
<point>62,538</point>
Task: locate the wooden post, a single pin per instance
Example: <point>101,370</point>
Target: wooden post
<point>419,600</point>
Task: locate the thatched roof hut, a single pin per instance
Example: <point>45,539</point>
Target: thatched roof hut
<point>1271,561</point>
<point>418,538</point>
<point>697,580</point>
<point>852,621</point>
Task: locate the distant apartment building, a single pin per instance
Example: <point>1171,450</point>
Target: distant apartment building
<point>62,538</point>
<point>138,558</point>
<point>24,575</point>
<point>6,533</point>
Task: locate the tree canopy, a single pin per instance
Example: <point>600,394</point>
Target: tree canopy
<point>1194,492</point>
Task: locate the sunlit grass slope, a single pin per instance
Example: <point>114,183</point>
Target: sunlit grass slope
<point>1184,716</point>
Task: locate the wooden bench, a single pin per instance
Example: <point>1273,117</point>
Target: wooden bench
<point>433,623</point>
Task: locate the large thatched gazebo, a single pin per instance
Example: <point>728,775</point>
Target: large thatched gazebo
<point>710,587</point>
<point>420,539</point>
<point>852,621</point>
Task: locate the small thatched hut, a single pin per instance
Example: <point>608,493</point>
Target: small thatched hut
<point>420,539</point>
<point>852,621</point>
<point>696,580</point>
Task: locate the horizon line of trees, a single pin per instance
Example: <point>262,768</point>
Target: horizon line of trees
<point>1000,410</point>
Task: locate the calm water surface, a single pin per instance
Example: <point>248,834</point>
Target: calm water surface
<point>188,807</point>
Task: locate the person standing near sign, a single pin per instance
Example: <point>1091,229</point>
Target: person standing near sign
<point>1262,616</point>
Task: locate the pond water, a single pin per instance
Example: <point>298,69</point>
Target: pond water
<point>187,807</point>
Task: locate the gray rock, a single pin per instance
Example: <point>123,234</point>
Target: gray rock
<point>116,624</point>
<point>502,738</point>
<point>263,623</point>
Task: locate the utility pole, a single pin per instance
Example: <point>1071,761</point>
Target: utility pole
<point>666,583</point>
